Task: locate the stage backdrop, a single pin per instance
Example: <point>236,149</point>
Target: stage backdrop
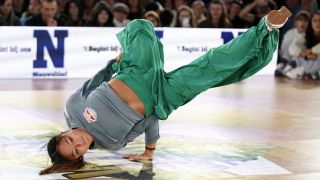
<point>65,52</point>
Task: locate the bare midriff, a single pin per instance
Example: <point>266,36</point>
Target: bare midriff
<point>127,95</point>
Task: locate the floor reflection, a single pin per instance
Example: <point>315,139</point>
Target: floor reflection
<point>146,172</point>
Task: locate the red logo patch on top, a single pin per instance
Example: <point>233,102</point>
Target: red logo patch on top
<point>90,115</point>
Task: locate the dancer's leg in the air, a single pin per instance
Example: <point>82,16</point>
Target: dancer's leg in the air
<point>229,63</point>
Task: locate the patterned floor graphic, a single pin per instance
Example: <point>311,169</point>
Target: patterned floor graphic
<point>225,133</point>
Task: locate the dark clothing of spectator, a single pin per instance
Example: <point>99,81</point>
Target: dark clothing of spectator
<point>208,24</point>
<point>94,23</point>
<point>152,6</point>
<point>69,22</point>
<point>16,22</point>
<point>38,21</point>
<point>18,14</point>
<point>135,15</point>
<point>255,22</point>
<point>238,22</point>
<point>11,20</point>
<point>166,17</point>
<point>1,21</point>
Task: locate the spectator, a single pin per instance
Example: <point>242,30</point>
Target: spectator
<point>61,7</point>
<point>226,4</point>
<point>217,17</point>
<point>306,49</point>
<point>168,4</point>
<point>18,8</point>
<point>72,15</point>
<point>102,16</point>
<point>47,16</point>
<point>34,8</point>
<point>120,13</point>
<point>199,9</point>
<point>178,3</point>
<point>153,17</point>
<point>136,10</point>
<point>88,9</point>
<point>1,18</point>
<point>185,17</point>
<point>109,2</point>
<point>285,60</point>
<point>295,6</point>
<point>235,6</point>
<point>254,11</point>
<point>152,6</point>
<point>309,5</point>
<point>143,4</point>
<point>7,13</point>
<point>166,18</point>
<point>168,11</point>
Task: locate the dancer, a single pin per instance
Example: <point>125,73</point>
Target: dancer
<point>109,113</point>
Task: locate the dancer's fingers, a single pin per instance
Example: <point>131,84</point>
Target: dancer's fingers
<point>127,156</point>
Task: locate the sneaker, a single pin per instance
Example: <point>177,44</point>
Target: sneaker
<point>279,69</point>
<point>277,18</point>
<point>295,73</point>
<point>316,75</point>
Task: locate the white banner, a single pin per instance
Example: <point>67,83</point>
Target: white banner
<point>70,52</point>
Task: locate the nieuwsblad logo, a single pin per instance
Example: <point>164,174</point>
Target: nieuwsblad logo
<point>41,66</point>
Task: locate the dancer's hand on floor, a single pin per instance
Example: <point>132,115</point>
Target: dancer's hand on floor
<point>137,157</point>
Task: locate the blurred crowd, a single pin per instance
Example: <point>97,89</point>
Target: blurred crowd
<point>299,48</point>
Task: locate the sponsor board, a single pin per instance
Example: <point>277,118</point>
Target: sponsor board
<point>70,52</point>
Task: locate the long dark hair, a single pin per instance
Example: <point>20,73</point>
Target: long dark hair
<point>311,40</point>
<point>67,16</point>
<point>98,8</point>
<point>59,163</point>
<point>66,8</point>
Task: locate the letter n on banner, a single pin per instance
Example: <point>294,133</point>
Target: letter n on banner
<point>44,41</point>
<point>159,33</point>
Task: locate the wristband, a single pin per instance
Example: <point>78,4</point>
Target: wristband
<point>151,149</point>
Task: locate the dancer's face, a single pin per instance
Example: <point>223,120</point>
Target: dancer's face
<point>74,143</point>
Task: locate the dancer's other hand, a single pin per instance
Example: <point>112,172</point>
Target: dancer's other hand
<point>138,157</point>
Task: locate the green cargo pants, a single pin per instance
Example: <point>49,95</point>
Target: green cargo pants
<point>141,66</point>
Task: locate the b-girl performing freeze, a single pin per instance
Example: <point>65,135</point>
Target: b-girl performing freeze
<point>108,113</point>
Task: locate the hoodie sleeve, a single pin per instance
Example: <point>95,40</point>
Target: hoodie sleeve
<point>149,126</point>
